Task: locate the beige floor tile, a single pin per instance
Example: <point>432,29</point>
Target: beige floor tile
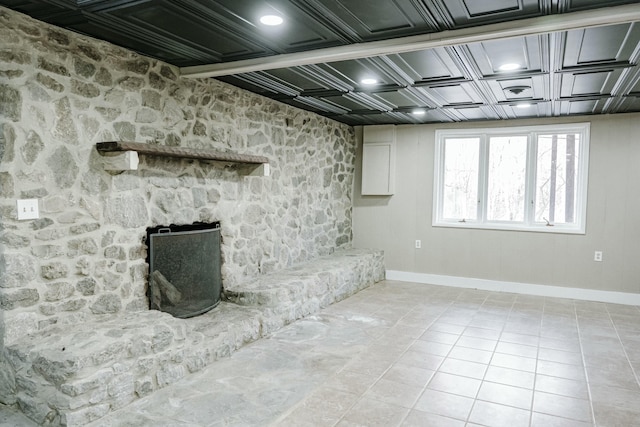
<point>405,330</point>
<point>440,337</point>
<point>522,328</point>
<point>445,404</point>
<point>489,322</point>
<point>408,374</point>
<point>545,420</point>
<point>506,395</point>
<point>470,354</point>
<point>457,319</point>
<point>562,370</point>
<point>560,344</point>
<point>416,322</point>
<point>516,338</point>
<point>611,416</point>
<point>454,384</point>
<point>430,347</point>
<point>562,406</point>
<point>488,334</point>
<point>464,368</point>
<point>511,377</point>
<point>515,349</point>
<point>615,397</point>
<point>514,362</point>
<point>560,356</point>
<point>495,415</point>
<point>450,328</point>
<point>477,343</point>
<point>421,360</point>
<point>612,372</point>
<point>562,386</point>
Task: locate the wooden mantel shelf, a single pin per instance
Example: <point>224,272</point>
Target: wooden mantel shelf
<point>180,152</point>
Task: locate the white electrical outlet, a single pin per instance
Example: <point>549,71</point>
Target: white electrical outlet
<point>28,209</point>
<point>418,244</point>
<point>597,256</point>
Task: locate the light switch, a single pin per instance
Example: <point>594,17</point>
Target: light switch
<point>28,209</point>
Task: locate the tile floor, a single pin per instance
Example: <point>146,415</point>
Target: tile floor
<point>404,354</point>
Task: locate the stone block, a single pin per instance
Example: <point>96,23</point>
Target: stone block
<point>7,383</point>
<point>144,386</point>
<point>84,416</point>
<point>109,352</point>
<point>198,360</point>
<point>128,211</point>
<point>121,390</point>
<point>65,130</point>
<point>10,103</point>
<point>169,374</point>
<point>86,286</point>
<point>18,270</point>
<point>58,291</point>
<point>56,368</point>
<point>106,303</point>
<point>103,77</point>
<point>162,338</point>
<point>10,299</point>
<point>54,270</point>
<point>38,410</point>
<point>98,379</point>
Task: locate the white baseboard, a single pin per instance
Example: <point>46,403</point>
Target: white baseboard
<point>515,287</point>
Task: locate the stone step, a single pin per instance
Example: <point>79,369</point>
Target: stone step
<point>326,279</point>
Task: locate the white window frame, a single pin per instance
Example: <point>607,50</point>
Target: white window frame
<point>529,223</point>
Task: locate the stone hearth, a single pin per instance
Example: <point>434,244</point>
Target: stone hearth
<point>74,375</point>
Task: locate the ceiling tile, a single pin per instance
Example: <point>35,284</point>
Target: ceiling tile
<point>427,65</point>
<point>588,83</point>
<point>462,13</point>
<point>464,93</point>
<point>364,20</point>
<point>614,43</point>
<point>522,51</point>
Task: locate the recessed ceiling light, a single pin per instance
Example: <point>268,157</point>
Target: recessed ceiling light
<point>418,112</point>
<point>271,20</point>
<point>509,67</point>
<point>368,81</point>
<point>523,105</point>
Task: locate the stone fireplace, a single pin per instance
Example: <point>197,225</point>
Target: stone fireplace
<point>84,259</point>
<point>86,255</point>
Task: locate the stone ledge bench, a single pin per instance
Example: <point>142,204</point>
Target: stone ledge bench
<point>74,374</point>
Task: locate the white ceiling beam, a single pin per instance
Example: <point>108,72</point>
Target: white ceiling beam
<point>517,28</point>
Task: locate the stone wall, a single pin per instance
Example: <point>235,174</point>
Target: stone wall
<point>60,93</point>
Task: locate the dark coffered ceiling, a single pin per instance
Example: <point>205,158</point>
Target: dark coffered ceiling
<point>439,56</point>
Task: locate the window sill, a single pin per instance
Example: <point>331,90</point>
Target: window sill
<point>554,229</point>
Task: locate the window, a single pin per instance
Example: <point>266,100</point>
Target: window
<point>525,178</point>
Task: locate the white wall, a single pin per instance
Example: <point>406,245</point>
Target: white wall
<point>613,218</point>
